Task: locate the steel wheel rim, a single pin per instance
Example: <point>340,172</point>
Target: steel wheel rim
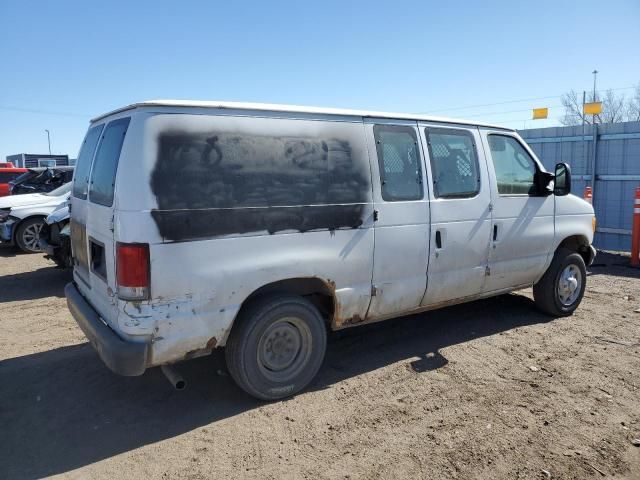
<point>30,237</point>
<point>569,285</point>
<point>284,349</point>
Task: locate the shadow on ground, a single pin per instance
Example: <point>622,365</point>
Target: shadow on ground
<point>9,251</point>
<point>610,263</point>
<point>44,282</point>
<point>62,409</point>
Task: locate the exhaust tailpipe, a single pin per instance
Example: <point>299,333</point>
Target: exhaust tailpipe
<point>174,377</point>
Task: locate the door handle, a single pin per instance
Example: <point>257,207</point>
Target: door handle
<point>438,239</point>
<point>495,233</point>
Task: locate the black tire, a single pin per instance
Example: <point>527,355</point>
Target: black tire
<point>24,234</point>
<point>546,293</point>
<point>276,346</point>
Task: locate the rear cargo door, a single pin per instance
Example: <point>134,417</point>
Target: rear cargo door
<point>99,245</point>
<point>79,200</point>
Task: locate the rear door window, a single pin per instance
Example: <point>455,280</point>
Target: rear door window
<point>454,163</point>
<point>83,164</point>
<point>103,173</point>
<point>399,161</point>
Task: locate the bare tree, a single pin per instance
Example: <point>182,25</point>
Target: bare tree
<point>633,106</point>
<point>572,104</point>
<point>615,107</point>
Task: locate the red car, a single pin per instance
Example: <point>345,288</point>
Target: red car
<point>6,175</point>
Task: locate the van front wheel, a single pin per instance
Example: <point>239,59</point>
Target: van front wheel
<point>561,288</point>
<point>276,347</point>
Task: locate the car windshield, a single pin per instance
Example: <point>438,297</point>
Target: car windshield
<point>66,188</point>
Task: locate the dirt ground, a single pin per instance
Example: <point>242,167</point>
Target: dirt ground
<point>491,389</point>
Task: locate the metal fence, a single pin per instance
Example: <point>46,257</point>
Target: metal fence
<point>612,151</point>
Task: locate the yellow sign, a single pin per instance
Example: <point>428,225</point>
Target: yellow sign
<point>539,113</point>
<point>593,108</point>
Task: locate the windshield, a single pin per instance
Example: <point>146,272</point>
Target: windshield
<point>66,188</point>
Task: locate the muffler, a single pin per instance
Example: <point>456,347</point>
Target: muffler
<point>174,377</point>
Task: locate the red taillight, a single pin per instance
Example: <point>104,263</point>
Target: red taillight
<point>132,271</point>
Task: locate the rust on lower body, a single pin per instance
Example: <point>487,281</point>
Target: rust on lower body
<point>199,352</point>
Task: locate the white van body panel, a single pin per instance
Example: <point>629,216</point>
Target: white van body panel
<point>522,226</point>
<point>401,238</point>
<point>198,285</point>
<point>386,265</point>
<point>212,291</point>
<point>457,269</point>
<point>574,217</point>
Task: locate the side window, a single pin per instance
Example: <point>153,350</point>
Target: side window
<point>83,164</point>
<point>103,174</point>
<point>454,163</point>
<point>399,161</point>
<point>514,167</point>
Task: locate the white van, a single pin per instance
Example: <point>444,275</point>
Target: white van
<point>197,225</point>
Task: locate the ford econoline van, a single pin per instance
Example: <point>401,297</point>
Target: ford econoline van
<point>200,225</point>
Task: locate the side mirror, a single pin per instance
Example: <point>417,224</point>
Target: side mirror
<point>562,180</point>
<point>544,183</point>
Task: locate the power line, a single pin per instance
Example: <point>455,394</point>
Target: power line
<point>508,102</point>
<point>509,111</point>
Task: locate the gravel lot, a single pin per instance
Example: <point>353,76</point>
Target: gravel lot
<point>491,389</point>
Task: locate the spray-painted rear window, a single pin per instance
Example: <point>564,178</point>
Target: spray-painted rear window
<point>83,164</point>
<point>278,167</point>
<point>103,173</point>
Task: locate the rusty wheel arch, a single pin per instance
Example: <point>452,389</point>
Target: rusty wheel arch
<point>318,291</point>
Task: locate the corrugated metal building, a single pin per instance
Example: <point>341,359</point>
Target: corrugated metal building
<point>31,160</point>
<point>616,162</point>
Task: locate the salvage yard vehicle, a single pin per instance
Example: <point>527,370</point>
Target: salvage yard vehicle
<point>22,216</point>
<point>54,238</point>
<point>7,174</point>
<point>197,225</point>
<point>41,180</point>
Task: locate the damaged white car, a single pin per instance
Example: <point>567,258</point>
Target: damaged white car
<point>22,216</point>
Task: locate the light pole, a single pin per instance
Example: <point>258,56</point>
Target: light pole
<point>595,74</point>
<point>48,140</point>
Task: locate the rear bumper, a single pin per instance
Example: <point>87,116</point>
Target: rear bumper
<point>121,356</point>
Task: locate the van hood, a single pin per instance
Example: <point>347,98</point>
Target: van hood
<point>30,199</point>
<point>573,205</point>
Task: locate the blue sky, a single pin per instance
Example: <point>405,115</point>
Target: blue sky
<point>66,61</point>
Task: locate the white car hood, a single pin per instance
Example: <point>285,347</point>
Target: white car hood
<point>31,199</point>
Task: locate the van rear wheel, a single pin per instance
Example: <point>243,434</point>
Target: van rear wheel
<point>276,347</point>
<point>561,288</point>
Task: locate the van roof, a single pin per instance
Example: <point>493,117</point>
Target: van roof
<point>272,107</point>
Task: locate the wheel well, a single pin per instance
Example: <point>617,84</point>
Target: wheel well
<point>319,292</point>
<point>579,244</point>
